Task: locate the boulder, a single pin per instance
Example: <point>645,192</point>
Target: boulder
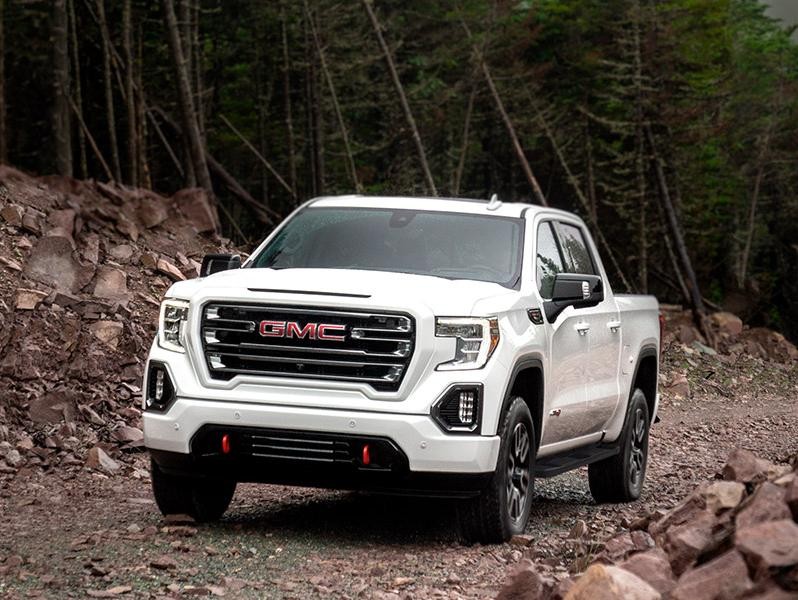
<point>123,252</point>
<point>29,299</point>
<point>523,583</point>
<point>63,221</point>
<point>723,577</point>
<point>602,582</point>
<point>680,386</point>
<point>99,460</point>
<point>111,283</point>
<point>11,214</point>
<point>791,497</point>
<point>653,568</point>
<point>53,407</point>
<point>152,212</point>
<point>768,545</point>
<point>743,466</point>
<point>127,434</point>
<point>166,268</point>
<point>685,543</point>
<point>51,262</point>
<point>194,204</point>
<point>686,334</point>
<point>727,323</point>
<point>107,332</point>
<point>723,495</point>
<point>767,504</point>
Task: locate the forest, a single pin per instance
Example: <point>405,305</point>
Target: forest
<point>671,126</point>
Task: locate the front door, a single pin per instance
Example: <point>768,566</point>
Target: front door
<point>565,381</point>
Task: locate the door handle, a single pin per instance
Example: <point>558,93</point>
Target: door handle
<point>614,326</point>
<point>582,328</point>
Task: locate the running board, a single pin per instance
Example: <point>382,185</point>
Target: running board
<point>558,464</point>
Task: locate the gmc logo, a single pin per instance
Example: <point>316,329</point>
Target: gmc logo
<point>312,331</point>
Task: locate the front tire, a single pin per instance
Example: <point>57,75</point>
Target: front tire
<point>620,478</point>
<point>502,509</point>
<point>204,500</point>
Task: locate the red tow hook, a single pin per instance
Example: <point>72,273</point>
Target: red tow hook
<point>366,455</point>
<point>226,443</point>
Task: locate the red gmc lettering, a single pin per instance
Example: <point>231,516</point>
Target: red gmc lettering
<point>272,328</point>
<point>312,331</point>
<point>293,330</point>
<point>324,328</point>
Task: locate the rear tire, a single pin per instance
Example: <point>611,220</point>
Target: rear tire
<point>202,499</point>
<point>502,509</point>
<point>620,478</point>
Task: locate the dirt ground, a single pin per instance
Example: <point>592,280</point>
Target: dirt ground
<point>76,533</point>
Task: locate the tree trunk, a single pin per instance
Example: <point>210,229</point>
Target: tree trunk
<point>699,310</point>
<point>196,46</point>
<point>191,131</point>
<point>458,176</point>
<point>334,96</point>
<point>400,91</point>
<point>517,148</point>
<point>142,167</point>
<point>315,118</point>
<point>3,141</point>
<point>289,121</point>
<point>73,34</point>
<point>62,124</point>
<point>132,128</point>
<point>109,91</point>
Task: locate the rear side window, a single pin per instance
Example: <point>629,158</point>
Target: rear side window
<point>549,260</point>
<point>574,248</point>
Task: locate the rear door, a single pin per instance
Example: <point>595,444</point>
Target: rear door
<point>568,348</point>
<point>604,334</point>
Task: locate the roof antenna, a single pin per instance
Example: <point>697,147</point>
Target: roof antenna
<point>494,202</point>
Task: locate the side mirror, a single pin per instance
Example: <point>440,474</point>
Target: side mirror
<point>571,289</point>
<point>213,263</point>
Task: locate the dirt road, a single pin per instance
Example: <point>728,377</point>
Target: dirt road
<point>76,533</point>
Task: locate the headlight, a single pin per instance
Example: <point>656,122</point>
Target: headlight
<point>476,341</point>
<point>172,324</point>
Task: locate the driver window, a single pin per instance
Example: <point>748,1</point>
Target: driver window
<point>548,258</point>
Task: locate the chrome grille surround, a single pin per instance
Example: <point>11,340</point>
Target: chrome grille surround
<point>377,347</point>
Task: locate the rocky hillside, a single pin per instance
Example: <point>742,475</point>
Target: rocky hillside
<point>82,268</point>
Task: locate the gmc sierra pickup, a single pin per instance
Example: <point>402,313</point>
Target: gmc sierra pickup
<point>440,347</point>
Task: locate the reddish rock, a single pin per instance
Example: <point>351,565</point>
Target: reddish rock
<point>128,434</point>
<point>152,212</point>
<point>51,262</point>
<point>170,270</point>
<point>723,577</point>
<point>728,323</point>
<point>602,582</point>
<point>769,545</point>
<point>684,511</point>
<point>767,504</point>
<point>110,283</point>
<point>53,407</point>
<point>107,332</point>
<point>193,203</point>
<point>685,543</point>
<point>791,497</point>
<point>63,221</point>
<point>11,214</point>
<point>686,334</point>
<point>680,386</point>
<point>653,568</point>
<point>723,495</point>
<point>99,460</point>
<point>745,467</point>
<point>29,299</point>
<point>523,583</point>
<point>123,252</point>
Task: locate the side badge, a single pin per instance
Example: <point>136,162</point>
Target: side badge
<point>535,315</point>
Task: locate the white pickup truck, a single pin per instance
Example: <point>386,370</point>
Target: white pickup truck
<point>441,347</point>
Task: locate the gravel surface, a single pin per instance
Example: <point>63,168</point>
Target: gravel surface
<point>75,533</point>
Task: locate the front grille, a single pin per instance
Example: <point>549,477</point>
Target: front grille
<point>283,341</point>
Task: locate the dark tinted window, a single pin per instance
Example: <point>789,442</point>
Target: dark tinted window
<point>441,244</point>
<point>549,261</point>
<point>574,247</point>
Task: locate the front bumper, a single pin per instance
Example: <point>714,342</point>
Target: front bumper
<point>426,447</point>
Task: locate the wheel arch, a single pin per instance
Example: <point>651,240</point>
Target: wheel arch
<point>646,376</point>
<point>526,380</point>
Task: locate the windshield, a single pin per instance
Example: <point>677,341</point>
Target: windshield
<point>441,244</point>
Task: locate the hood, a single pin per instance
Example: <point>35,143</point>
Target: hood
<point>400,290</point>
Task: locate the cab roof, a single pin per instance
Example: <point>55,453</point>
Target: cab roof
<point>458,205</point>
